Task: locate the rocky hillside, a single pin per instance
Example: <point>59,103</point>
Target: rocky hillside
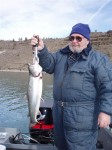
<point>15,55</point>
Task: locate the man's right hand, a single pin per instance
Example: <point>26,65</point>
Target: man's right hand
<point>37,40</point>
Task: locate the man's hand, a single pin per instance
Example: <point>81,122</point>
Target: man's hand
<point>37,40</point>
<point>103,120</point>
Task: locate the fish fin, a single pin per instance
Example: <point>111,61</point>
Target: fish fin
<point>26,97</point>
<point>42,99</point>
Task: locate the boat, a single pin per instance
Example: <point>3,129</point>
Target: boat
<point>41,135</point>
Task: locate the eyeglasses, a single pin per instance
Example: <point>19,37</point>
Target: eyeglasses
<point>77,38</point>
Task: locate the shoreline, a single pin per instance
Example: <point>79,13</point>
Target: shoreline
<point>23,71</point>
<point>13,70</point>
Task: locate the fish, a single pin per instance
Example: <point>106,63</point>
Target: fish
<point>34,93</point>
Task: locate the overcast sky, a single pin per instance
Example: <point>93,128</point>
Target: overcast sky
<point>52,18</point>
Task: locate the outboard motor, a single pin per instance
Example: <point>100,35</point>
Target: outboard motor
<point>43,130</point>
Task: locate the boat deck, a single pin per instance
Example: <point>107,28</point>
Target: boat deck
<point>5,133</point>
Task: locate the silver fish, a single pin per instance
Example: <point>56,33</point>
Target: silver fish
<point>34,93</point>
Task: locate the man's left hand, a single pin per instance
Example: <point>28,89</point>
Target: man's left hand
<point>103,120</point>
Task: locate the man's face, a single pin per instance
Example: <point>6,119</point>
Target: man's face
<point>77,43</point>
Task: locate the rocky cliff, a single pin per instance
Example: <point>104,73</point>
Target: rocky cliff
<point>15,55</point>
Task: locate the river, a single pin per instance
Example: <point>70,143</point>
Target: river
<point>13,101</point>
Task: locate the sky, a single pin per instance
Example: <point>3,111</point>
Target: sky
<point>52,18</point>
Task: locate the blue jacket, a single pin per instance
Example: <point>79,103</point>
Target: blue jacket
<point>88,81</point>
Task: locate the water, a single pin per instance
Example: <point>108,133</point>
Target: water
<point>13,102</point>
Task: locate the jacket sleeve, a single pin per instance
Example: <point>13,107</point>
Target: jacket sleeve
<point>47,60</point>
<point>104,81</point>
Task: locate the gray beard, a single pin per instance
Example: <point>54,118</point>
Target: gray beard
<point>76,50</point>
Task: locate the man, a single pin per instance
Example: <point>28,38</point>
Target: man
<point>82,90</point>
